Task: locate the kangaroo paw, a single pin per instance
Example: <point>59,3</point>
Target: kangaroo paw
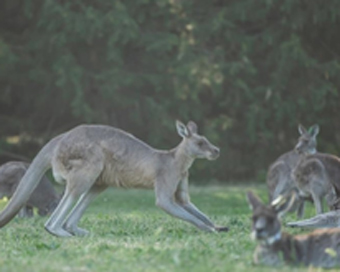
<point>76,230</point>
<point>222,229</point>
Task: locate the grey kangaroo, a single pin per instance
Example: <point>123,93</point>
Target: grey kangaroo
<point>320,248</point>
<point>89,158</point>
<point>44,197</point>
<point>279,177</point>
<point>317,176</point>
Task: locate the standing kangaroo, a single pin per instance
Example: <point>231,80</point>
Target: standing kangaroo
<point>279,177</point>
<point>89,158</point>
<point>44,197</point>
<point>320,248</point>
<point>317,175</point>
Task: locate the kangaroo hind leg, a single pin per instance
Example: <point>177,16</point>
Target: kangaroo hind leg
<point>71,224</point>
<point>78,183</point>
<point>54,223</point>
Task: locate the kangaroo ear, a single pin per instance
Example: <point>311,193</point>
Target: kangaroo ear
<point>192,127</point>
<point>302,130</point>
<point>253,200</point>
<point>314,130</point>
<point>283,203</point>
<point>182,130</point>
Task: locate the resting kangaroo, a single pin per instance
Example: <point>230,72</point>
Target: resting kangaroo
<point>279,177</point>
<point>317,175</point>
<point>89,158</point>
<point>44,197</point>
<point>320,248</point>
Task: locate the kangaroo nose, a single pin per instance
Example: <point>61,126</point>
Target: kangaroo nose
<point>217,151</point>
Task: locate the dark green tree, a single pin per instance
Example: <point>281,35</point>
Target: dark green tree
<point>248,72</point>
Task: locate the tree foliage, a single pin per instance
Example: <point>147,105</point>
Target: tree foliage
<point>248,72</point>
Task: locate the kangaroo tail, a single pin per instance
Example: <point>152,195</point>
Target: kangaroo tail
<point>31,179</point>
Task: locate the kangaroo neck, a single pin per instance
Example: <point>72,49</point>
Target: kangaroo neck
<point>182,158</point>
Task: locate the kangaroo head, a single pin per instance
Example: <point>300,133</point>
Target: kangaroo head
<point>266,225</point>
<point>307,140</point>
<point>195,145</point>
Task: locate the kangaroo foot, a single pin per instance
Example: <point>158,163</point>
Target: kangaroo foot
<point>59,232</point>
<point>76,230</point>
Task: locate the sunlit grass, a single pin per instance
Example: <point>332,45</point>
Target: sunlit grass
<point>128,233</point>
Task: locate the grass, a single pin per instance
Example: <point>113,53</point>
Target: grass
<point>128,233</point>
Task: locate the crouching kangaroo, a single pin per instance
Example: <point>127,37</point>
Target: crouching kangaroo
<point>317,175</point>
<point>279,177</point>
<point>89,158</point>
<point>320,248</point>
<point>44,197</point>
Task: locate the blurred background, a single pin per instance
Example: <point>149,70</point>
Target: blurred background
<point>247,72</point>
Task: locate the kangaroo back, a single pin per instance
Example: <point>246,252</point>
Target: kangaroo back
<point>38,167</point>
<point>279,180</point>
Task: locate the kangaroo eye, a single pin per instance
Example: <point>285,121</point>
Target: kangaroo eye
<point>200,143</point>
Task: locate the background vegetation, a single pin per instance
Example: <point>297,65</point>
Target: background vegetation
<point>248,72</point>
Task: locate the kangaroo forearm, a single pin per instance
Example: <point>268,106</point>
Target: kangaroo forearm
<point>178,211</point>
<point>191,208</point>
<point>301,209</point>
<point>318,205</point>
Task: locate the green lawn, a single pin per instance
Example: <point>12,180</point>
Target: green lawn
<point>129,233</point>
